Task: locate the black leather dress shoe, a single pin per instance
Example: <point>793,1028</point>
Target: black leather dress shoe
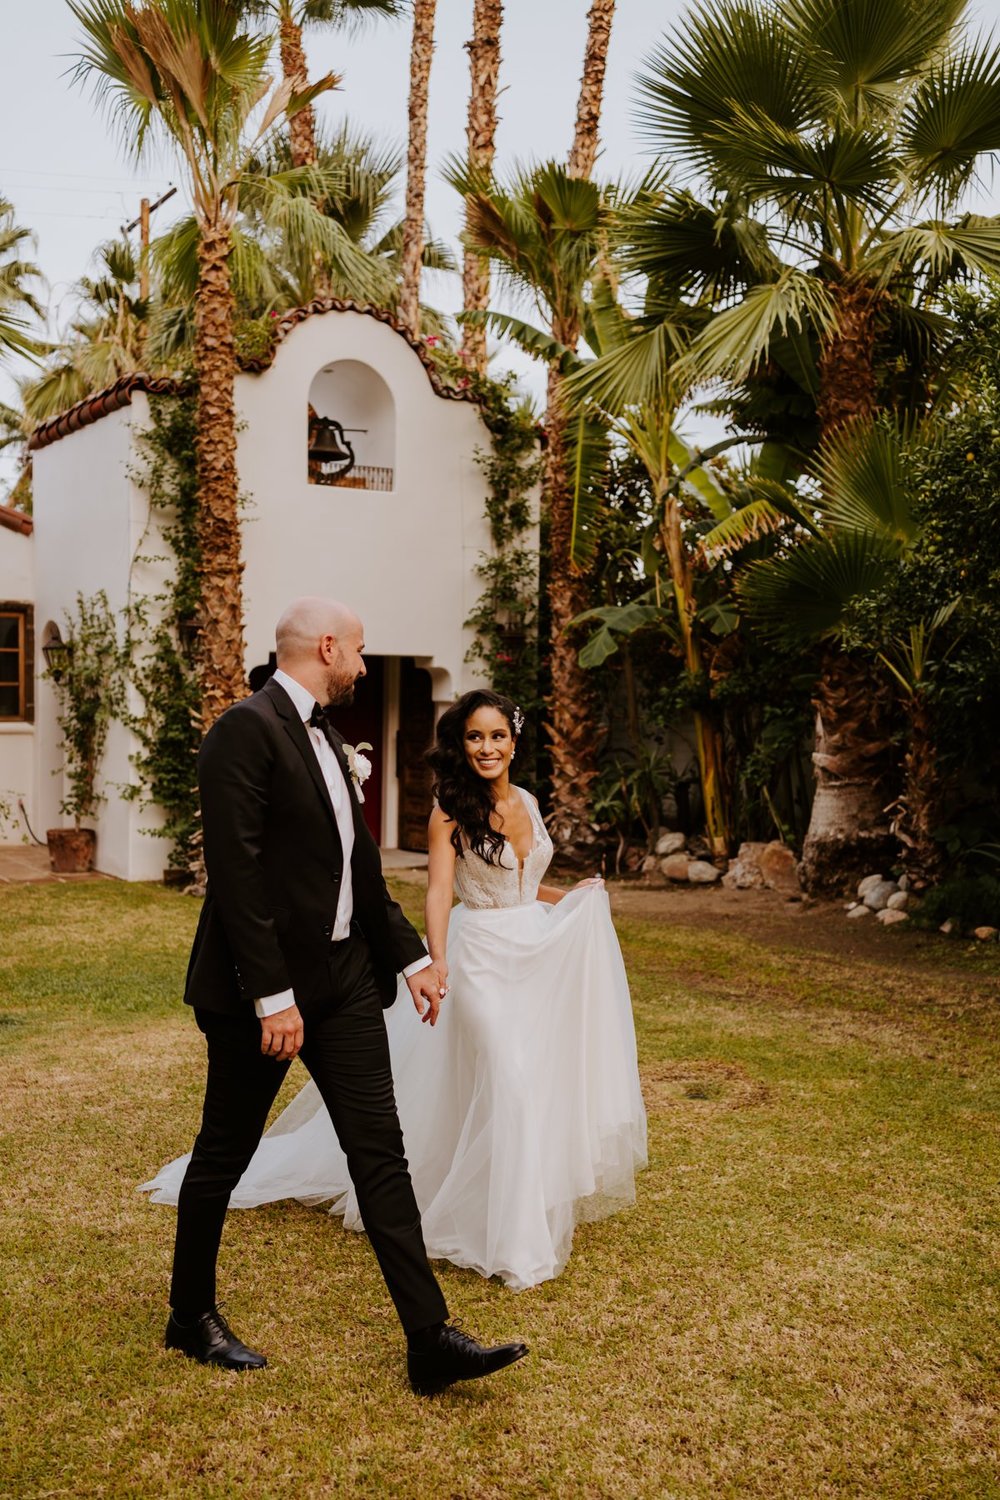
<point>455,1356</point>
<point>211,1340</point>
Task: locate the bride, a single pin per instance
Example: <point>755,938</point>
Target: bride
<point>521,1110</point>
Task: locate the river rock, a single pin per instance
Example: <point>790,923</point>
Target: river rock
<point>864,886</point>
<point>948,927</point>
<point>889,918</point>
<point>670,843</point>
<point>900,901</point>
<point>877,896</point>
<point>650,865</point>
<point>861,910</point>
<point>903,882</point>
<point>700,872</point>
<point>675,866</point>
<point>985,934</point>
<point>779,868</point>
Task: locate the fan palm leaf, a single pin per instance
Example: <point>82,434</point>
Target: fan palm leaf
<point>806,593</point>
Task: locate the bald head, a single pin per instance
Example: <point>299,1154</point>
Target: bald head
<point>319,642</point>
<point>305,623</point>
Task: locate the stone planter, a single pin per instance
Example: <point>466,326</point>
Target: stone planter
<point>71,850</point>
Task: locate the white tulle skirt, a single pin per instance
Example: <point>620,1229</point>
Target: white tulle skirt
<point>521,1109</point>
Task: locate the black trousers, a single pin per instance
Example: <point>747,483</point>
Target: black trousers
<point>347,1053</point>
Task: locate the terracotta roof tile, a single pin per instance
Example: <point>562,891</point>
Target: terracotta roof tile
<point>92,408</point>
<point>16,520</point>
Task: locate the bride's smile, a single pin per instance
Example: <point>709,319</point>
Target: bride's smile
<point>488,743</point>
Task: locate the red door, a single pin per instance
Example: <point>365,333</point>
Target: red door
<point>415,736</point>
<point>360,721</point>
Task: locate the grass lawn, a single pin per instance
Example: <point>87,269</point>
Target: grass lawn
<point>803,1303</point>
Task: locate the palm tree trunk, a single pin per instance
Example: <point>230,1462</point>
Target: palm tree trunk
<point>221,646</point>
<point>301,125</point>
<point>421,51</point>
<point>588,110</point>
<point>919,810</point>
<point>846,361</point>
<point>709,747</point>
<point>571,707</point>
<point>484,60</point>
<point>848,835</point>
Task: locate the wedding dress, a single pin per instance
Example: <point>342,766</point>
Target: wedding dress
<point>521,1109</point>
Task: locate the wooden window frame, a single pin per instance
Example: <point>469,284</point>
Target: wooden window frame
<point>26,644</point>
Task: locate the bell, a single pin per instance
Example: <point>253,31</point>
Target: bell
<point>327,443</point>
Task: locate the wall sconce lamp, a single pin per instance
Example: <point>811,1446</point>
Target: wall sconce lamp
<point>189,634</point>
<point>58,655</point>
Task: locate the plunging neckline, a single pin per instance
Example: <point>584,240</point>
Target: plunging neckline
<point>519,863</point>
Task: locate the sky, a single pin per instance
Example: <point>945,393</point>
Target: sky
<point>64,170</point>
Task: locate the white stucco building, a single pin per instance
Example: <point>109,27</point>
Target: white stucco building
<point>398,537</point>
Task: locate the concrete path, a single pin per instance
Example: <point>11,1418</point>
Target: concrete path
<point>21,863</point>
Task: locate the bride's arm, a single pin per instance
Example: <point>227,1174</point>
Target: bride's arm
<point>440,883</point>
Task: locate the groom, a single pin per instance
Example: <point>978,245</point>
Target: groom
<point>297,951</point>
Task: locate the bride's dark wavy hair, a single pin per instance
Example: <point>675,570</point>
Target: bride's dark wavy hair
<point>462,795</point>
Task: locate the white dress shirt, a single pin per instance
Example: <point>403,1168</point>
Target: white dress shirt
<point>340,796</point>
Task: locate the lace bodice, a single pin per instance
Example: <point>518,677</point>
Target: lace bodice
<point>480,884</point>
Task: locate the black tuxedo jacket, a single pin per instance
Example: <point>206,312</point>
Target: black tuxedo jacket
<point>275,863</point>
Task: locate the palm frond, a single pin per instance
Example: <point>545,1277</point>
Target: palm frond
<point>869,52</point>
<point>538,344</point>
<point>806,593</point>
<point>729,55</point>
<point>951,120</point>
<point>699,249</point>
<point>771,507</point>
<point>737,340</point>
<point>937,252</point>
<point>587,454</point>
<point>864,482</point>
<point>638,372</point>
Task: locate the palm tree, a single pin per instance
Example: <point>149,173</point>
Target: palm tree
<point>484,60</point>
<point>842,554</point>
<point>16,299</point>
<point>104,341</point>
<point>588,109</point>
<point>838,137</point>
<point>189,71</point>
<point>833,141</point>
<point>543,232</point>
<point>634,390</point>
<point>291,17</point>
<point>421,52</point>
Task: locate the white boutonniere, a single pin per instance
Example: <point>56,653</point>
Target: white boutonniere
<point>359,765</point>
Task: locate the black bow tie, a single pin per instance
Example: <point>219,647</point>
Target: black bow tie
<point>318,719</point>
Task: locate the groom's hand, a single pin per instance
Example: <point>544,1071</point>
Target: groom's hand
<point>281,1034</point>
<point>428,988</point>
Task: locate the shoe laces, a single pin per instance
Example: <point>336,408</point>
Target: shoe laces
<point>215,1316</point>
<point>459,1336</point>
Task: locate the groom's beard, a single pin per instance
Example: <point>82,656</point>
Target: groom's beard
<point>340,690</point>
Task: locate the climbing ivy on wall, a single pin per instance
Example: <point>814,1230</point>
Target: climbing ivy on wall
<point>169,727</point>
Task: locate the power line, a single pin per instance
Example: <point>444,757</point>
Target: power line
<point>85,176</point>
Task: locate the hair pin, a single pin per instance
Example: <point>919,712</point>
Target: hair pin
<point>518,721</point>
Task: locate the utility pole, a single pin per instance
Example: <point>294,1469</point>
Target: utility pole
<point>142,224</point>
